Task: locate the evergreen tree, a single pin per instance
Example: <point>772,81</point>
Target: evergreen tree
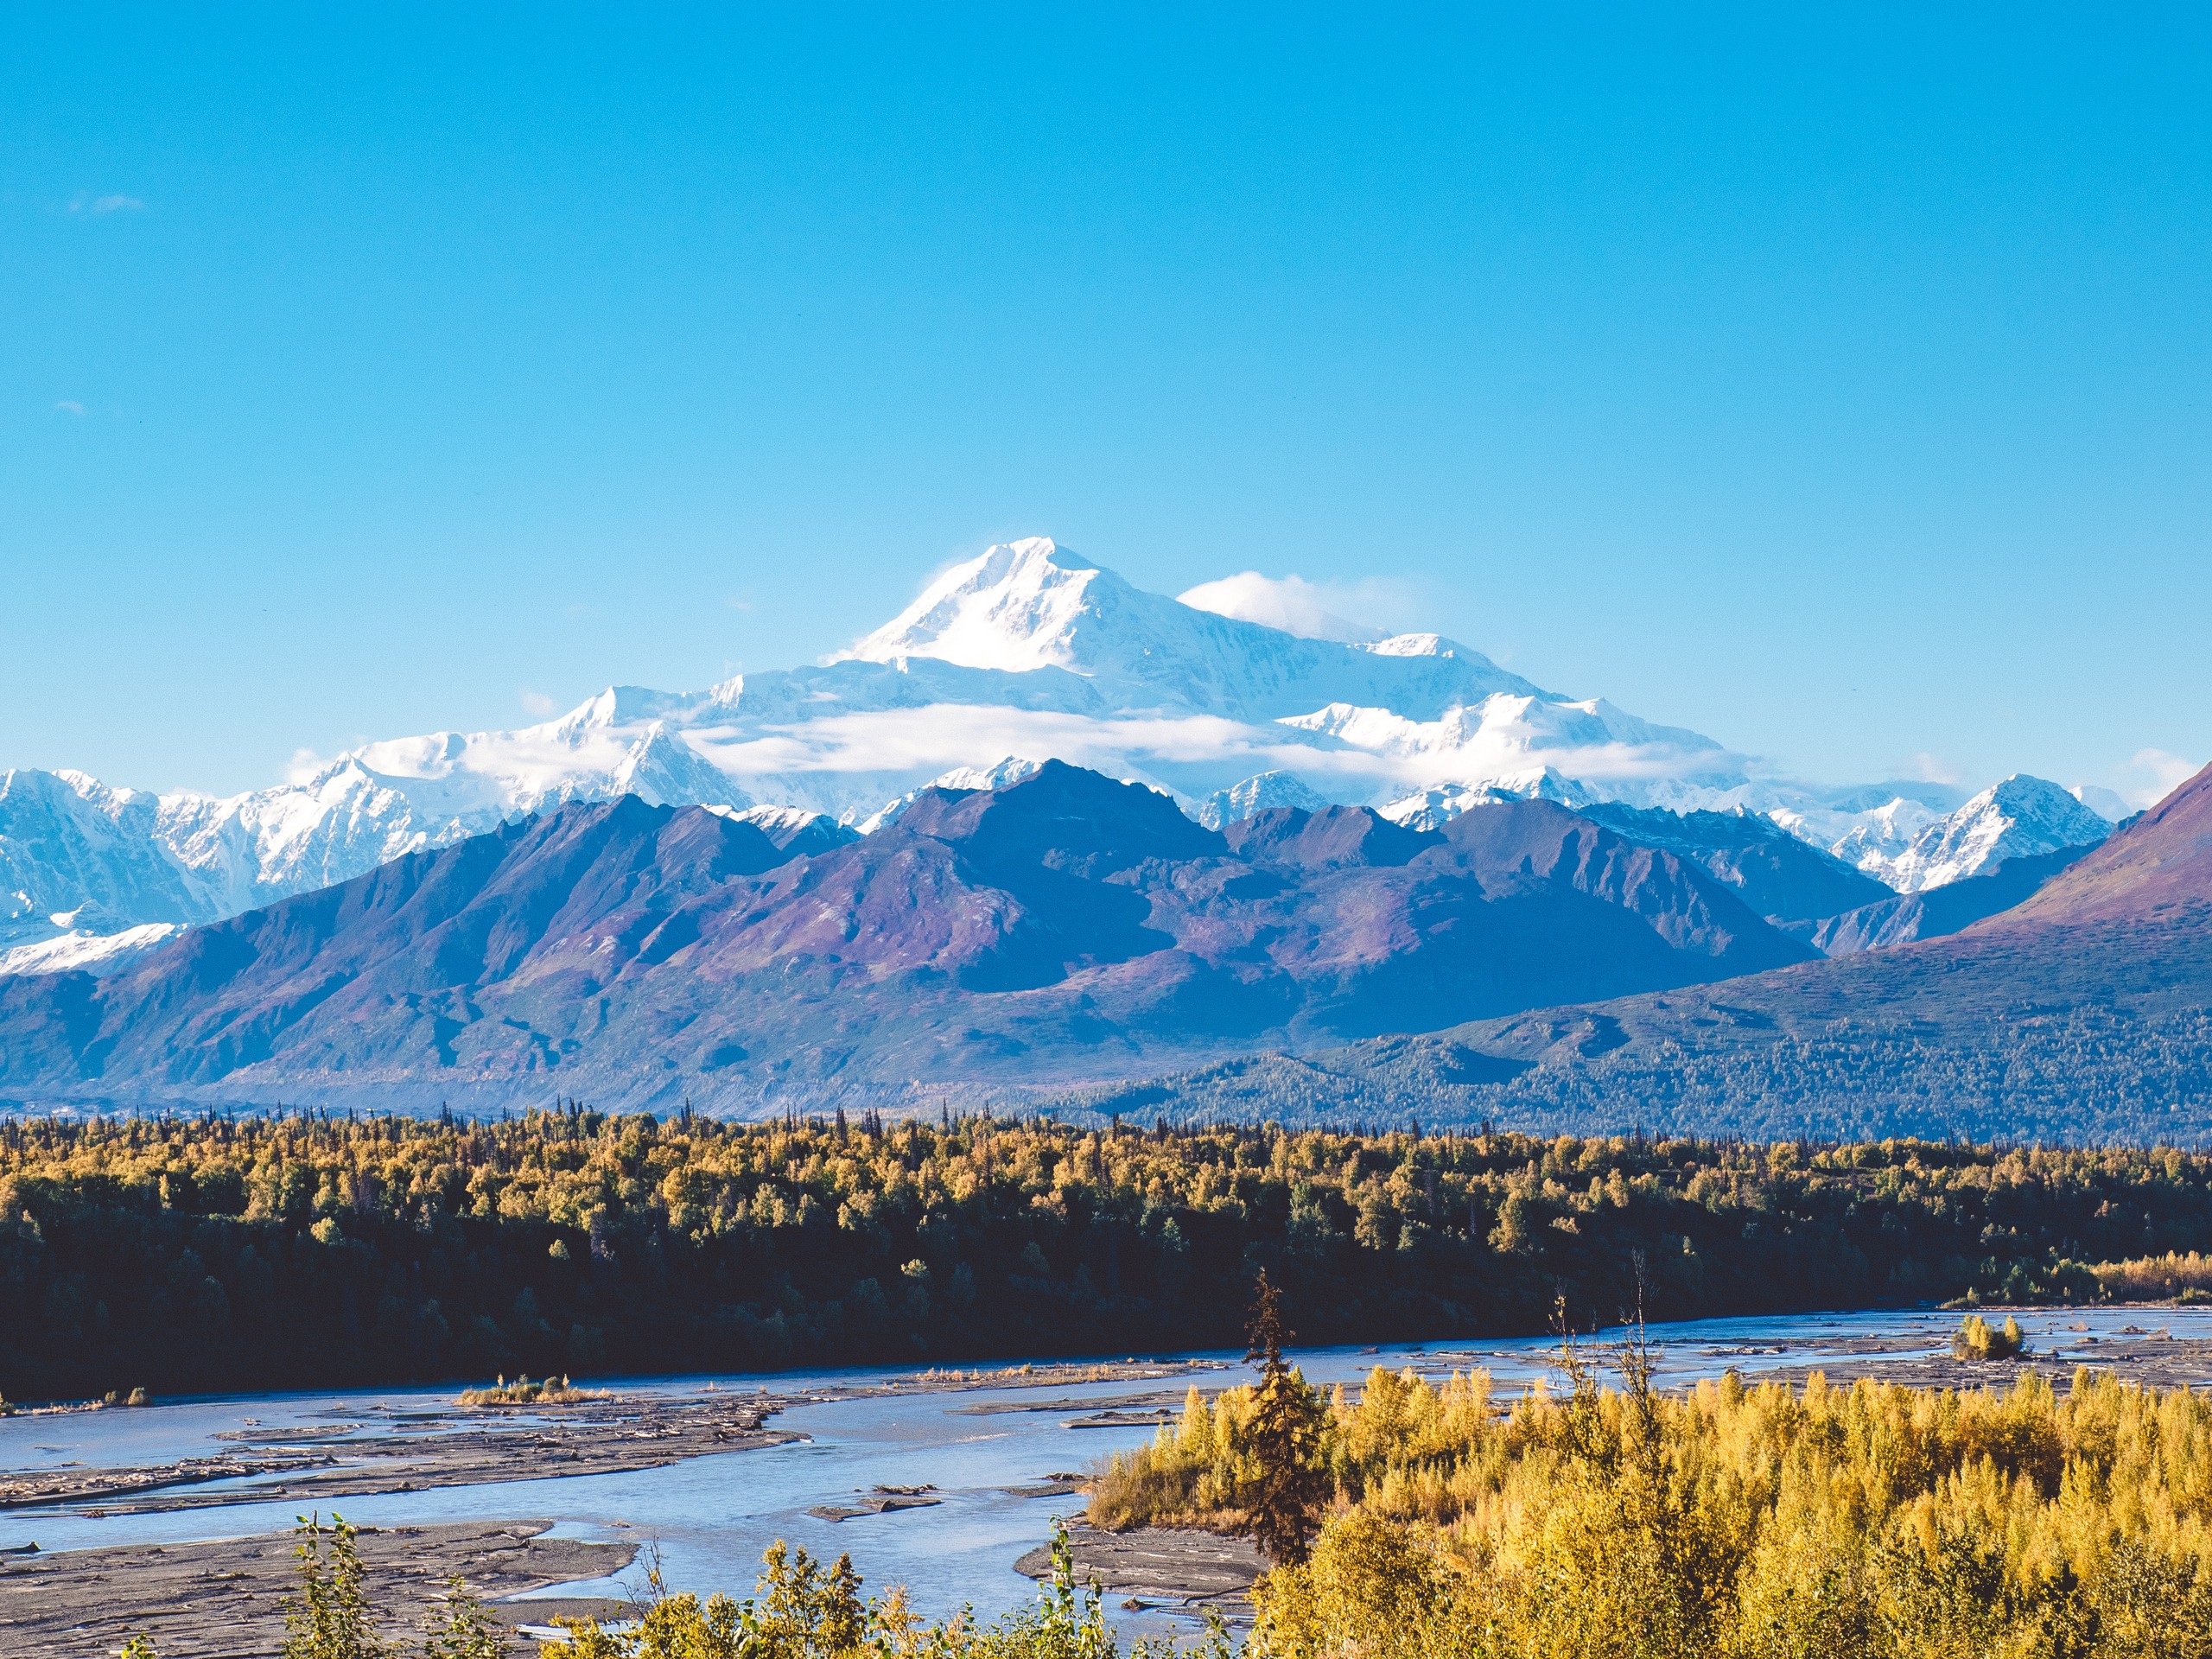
<point>1284,1504</point>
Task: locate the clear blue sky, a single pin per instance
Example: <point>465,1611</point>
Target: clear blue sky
<point>1833,381</point>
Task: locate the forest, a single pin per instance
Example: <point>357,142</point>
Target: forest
<point>269,1252</point>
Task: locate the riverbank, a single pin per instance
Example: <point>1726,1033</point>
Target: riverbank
<point>224,1599</point>
<point>2155,1358</point>
<point>465,1447</point>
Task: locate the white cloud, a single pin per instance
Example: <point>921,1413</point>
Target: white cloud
<point>304,764</point>
<point>70,406</point>
<point>1309,609</point>
<point>2165,772</point>
<point>86,203</point>
<point>1196,753</point>
<point>1930,769</point>
<point>535,702</point>
<point>2109,804</point>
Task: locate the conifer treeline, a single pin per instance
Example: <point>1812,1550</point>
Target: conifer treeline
<point>294,1252</point>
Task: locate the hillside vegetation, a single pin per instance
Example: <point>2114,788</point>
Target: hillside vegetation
<point>273,1253</point>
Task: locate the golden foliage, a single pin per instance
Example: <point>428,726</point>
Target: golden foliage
<point>1733,1520</point>
<point>2157,1278</point>
<point>553,1391</point>
<point>1977,1339</point>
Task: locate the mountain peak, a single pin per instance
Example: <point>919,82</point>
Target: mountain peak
<point>2022,816</point>
<point>1014,608</point>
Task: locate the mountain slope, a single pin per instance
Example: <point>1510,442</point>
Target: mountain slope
<point>1933,912</point>
<point>1779,876</point>
<point>2020,817</point>
<point>1062,926</point>
<point>2158,870</point>
<point>2083,1013</point>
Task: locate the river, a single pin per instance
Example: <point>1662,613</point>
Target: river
<point>709,1518</point>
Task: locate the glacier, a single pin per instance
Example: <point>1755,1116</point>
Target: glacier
<point>1026,653</point>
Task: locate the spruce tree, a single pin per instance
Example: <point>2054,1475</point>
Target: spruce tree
<point>1284,1501</point>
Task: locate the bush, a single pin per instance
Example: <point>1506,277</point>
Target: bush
<point>1976,1340</point>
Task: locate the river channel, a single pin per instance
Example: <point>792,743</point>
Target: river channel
<point>709,1518</point>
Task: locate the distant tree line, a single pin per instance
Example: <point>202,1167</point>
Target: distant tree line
<point>214,1254</point>
<point>2089,1074</point>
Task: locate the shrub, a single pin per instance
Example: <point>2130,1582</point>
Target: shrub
<point>1976,1340</point>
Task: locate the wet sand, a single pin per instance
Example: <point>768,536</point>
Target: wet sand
<point>223,1600</point>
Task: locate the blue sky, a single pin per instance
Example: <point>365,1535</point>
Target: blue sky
<point>1834,383</point>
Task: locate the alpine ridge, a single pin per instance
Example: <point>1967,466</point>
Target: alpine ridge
<point>1063,925</point>
<point>1026,653</point>
<point>2082,1013</point>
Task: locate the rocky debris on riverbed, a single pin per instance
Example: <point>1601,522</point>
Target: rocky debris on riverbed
<point>222,1600</point>
<point>1197,1570</point>
<point>879,1500</point>
<point>1065,1374</point>
<point>1059,1485</point>
<point>74,1483</point>
<point>2154,1358</point>
<point>1152,1419</point>
<point>1151,1400</point>
<point>422,1450</point>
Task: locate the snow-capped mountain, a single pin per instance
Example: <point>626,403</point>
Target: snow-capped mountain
<point>2019,818</point>
<point>1026,653</point>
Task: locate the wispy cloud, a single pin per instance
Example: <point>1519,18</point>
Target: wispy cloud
<point>1198,752</point>
<point>88,203</point>
<point>70,406</point>
<point>1312,610</point>
<point>305,764</point>
<point>1926,768</point>
<point>535,702</point>
<point>2165,772</point>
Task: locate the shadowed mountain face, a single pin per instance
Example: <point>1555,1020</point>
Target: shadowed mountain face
<point>1780,877</point>
<point>2084,1012</point>
<point>1066,926</point>
<point>1905,917</point>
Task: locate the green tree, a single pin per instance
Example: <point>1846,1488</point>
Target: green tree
<point>330,1618</point>
<point>1285,1496</point>
<point>467,1630</point>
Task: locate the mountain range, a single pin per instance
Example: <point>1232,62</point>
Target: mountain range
<point>1066,931</point>
<point>1064,926</point>
<point>1026,654</point>
<point>2082,1013</point>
